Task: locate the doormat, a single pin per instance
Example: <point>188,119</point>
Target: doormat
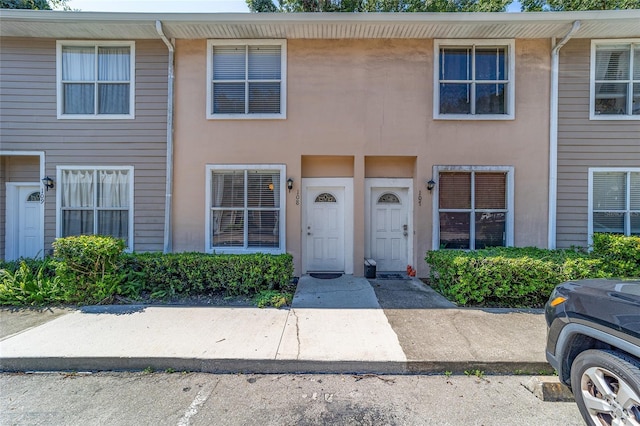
<point>392,276</point>
<point>325,275</point>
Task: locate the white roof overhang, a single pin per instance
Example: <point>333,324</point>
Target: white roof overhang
<point>101,25</point>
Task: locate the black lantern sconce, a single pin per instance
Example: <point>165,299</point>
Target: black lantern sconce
<point>431,184</point>
<point>290,184</point>
<point>48,183</point>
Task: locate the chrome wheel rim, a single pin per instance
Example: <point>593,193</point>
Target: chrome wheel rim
<point>609,400</point>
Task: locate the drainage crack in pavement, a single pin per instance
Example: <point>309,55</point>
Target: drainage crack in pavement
<point>462,331</point>
<point>297,333</point>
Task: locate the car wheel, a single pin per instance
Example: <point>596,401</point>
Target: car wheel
<point>606,386</point>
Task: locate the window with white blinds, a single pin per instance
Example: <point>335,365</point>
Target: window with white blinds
<point>615,80</point>
<point>95,80</point>
<point>245,208</point>
<point>247,79</point>
<point>474,79</point>
<point>95,201</point>
<point>474,207</point>
<point>615,201</point>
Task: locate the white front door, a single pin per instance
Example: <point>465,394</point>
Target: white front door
<point>390,228</point>
<point>324,228</point>
<point>24,221</point>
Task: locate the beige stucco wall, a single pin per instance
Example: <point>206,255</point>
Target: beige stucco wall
<point>361,99</point>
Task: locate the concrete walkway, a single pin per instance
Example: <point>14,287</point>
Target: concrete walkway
<point>341,325</point>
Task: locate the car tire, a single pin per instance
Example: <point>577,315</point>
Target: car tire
<point>606,386</point>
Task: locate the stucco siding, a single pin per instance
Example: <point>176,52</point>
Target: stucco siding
<point>29,123</point>
<point>360,100</point>
<point>584,143</point>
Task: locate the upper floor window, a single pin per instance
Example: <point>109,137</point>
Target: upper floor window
<point>474,79</point>
<point>95,80</point>
<point>246,78</point>
<point>615,80</point>
<point>474,207</point>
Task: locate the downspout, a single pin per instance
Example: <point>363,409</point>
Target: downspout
<point>553,135</point>
<point>168,244</point>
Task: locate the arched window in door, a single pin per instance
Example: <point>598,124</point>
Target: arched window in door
<point>325,197</point>
<point>34,197</point>
<point>388,198</point>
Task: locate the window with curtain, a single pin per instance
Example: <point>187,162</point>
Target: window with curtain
<point>615,202</point>
<point>247,79</point>
<point>96,201</point>
<point>615,82</point>
<point>474,79</point>
<point>95,80</point>
<point>473,209</point>
<point>246,208</point>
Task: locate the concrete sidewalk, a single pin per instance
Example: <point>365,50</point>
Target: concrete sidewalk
<point>343,325</point>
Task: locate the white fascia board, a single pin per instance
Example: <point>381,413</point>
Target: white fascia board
<point>181,25</point>
<point>319,17</point>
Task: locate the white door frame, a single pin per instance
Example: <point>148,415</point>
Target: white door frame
<point>40,155</point>
<point>369,184</point>
<point>11,219</point>
<point>347,184</point>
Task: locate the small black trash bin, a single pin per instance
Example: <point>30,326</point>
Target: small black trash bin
<point>369,268</point>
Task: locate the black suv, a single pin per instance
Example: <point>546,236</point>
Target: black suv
<point>593,342</point>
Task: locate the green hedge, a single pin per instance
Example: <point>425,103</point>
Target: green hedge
<point>621,255</point>
<point>188,274</point>
<point>507,277</point>
<point>94,270</point>
<point>524,277</point>
<point>90,269</point>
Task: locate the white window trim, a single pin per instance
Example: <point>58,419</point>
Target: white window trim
<point>95,116</point>
<point>509,43</point>
<point>592,82</point>
<point>509,170</point>
<point>59,170</point>
<point>592,170</point>
<point>283,78</point>
<point>208,248</point>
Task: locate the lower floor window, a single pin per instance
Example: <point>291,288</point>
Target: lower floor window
<point>615,201</point>
<point>96,200</point>
<point>245,208</point>
<point>474,207</point>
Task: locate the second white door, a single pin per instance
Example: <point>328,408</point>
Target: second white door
<point>390,228</point>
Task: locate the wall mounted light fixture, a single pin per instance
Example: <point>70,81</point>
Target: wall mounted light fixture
<point>290,184</point>
<point>47,182</point>
<point>431,184</point>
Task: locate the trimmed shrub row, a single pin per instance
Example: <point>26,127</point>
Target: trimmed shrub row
<point>524,277</point>
<point>189,274</point>
<point>94,270</point>
<point>621,255</point>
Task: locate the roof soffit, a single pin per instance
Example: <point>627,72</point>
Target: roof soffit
<point>95,25</point>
